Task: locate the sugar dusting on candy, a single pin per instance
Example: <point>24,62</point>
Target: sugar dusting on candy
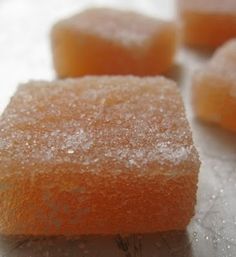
<point>126,27</point>
<point>96,155</point>
<point>214,87</point>
<point>223,62</point>
<point>126,123</point>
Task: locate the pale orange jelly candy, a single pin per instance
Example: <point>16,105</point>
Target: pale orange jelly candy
<point>96,155</point>
<point>214,88</point>
<point>106,41</point>
<point>208,22</point>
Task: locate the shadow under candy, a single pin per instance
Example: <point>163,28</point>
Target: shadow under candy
<point>175,73</point>
<point>164,244</point>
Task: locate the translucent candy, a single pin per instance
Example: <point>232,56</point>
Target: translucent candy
<point>214,88</point>
<point>106,41</point>
<point>96,155</point>
<point>208,23</point>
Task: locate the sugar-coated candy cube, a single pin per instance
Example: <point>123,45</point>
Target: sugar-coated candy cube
<point>214,88</point>
<point>107,41</point>
<point>208,23</point>
<point>96,155</point>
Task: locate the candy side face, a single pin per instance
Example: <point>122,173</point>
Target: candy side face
<point>208,23</point>
<point>97,155</point>
<point>214,87</point>
<point>105,41</point>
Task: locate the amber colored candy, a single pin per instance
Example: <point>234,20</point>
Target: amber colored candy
<point>106,41</point>
<point>208,22</point>
<point>96,155</point>
<point>214,88</point>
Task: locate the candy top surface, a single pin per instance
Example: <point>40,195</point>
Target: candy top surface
<point>223,64</point>
<point>125,27</point>
<point>225,56</point>
<point>209,6</point>
<point>112,124</point>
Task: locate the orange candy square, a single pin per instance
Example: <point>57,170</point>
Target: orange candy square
<point>208,23</point>
<point>214,88</point>
<point>112,42</point>
<point>96,155</point>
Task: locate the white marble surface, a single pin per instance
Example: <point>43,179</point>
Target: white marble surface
<point>25,54</point>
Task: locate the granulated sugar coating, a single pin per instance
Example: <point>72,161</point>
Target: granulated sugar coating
<point>106,41</point>
<point>208,23</point>
<point>96,155</point>
<point>214,88</point>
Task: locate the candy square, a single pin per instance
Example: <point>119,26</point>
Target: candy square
<point>214,88</point>
<point>112,42</point>
<point>96,155</point>
<point>208,23</point>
